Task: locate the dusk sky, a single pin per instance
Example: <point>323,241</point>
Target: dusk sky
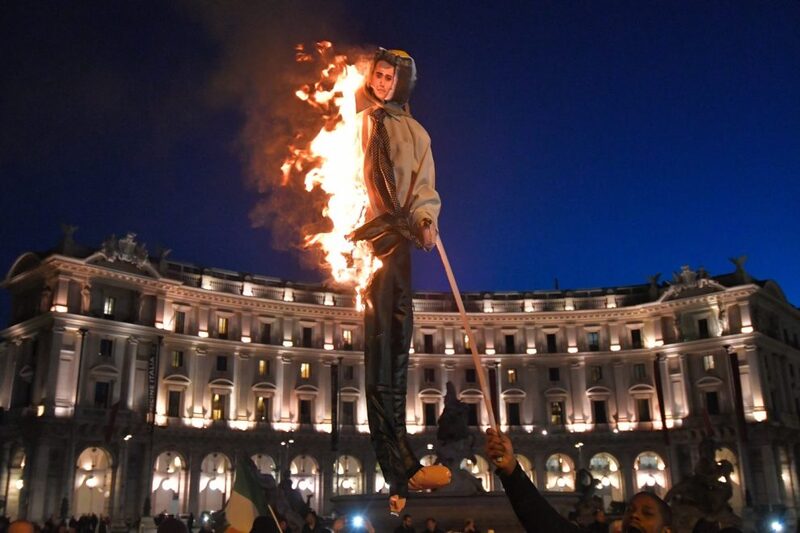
<point>595,142</point>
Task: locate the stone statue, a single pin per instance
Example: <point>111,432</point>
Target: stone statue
<point>86,299</point>
<point>741,273</point>
<point>704,494</point>
<point>456,443</point>
<point>652,289</point>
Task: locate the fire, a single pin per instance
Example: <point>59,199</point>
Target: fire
<point>336,158</point>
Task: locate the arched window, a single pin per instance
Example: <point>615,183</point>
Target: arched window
<point>480,469</point>
<point>527,466</point>
<point>560,473</point>
<point>170,487</point>
<point>265,464</point>
<point>347,476</point>
<point>650,473</point>
<point>306,478</point>
<point>604,467</point>
<point>737,500</point>
<point>93,482</point>
<point>215,482</point>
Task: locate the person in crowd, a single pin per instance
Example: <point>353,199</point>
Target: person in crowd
<point>469,526</point>
<point>431,527</point>
<point>645,513</point>
<point>171,525</point>
<point>406,526</point>
<point>313,524</point>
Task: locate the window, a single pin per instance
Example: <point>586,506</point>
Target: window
<point>305,370</point>
<point>469,375</point>
<point>512,414</point>
<point>222,327</point>
<point>512,376</point>
<point>222,363</point>
<point>349,372</point>
<point>510,348</point>
<point>643,409</point>
<point>349,413</point>
<point>266,333</point>
<point>702,328</point>
<point>639,371</point>
<point>177,359</point>
<point>472,414</point>
<point>180,322</point>
<point>218,402</point>
<point>600,412</point>
<point>347,339</point>
<point>557,413</point>
<point>551,343</point>
<point>263,367</point>
<point>429,375</point>
<point>708,362</point>
<point>554,373</point>
<point>597,373</point>
<point>428,342</point>
<point>174,405</point>
<point>305,411</point>
<point>467,346</point>
<point>102,393</point>
<point>308,337</point>
<point>593,341</point>
<point>263,408</point>
<point>106,347</point>
<point>636,338</point>
<point>712,402</point>
<point>108,306</point>
<point>429,413</point>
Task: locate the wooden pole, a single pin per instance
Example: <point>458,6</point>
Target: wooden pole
<point>487,399</point>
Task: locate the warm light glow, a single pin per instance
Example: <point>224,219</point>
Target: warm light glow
<point>572,349</point>
<point>530,351</point>
<point>59,308</point>
<point>159,325</point>
<point>19,483</point>
<point>747,329</point>
<point>39,410</point>
<point>615,347</point>
<point>288,344</point>
<point>759,415</point>
<point>338,162</point>
<point>246,339</point>
<point>91,482</point>
<point>328,346</point>
<point>202,334</point>
<point>127,437</point>
<point>490,351</point>
<point>449,351</point>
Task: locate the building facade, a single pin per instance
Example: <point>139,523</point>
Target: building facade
<point>127,380</point>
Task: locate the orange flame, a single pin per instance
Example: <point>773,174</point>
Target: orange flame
<point>337,158</point>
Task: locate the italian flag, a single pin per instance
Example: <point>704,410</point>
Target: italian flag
<point>247,500</point>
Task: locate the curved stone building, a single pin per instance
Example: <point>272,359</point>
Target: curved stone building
<point>624,381</point>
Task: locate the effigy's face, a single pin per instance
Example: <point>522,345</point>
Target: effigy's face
<point>382,79</point>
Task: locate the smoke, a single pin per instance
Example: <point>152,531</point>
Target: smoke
<point>258,75</point>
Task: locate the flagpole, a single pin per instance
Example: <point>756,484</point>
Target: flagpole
<point>487,400</point>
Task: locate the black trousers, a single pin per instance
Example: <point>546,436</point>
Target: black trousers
<point>388,323</point>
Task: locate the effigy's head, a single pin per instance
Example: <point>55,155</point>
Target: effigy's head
<point>392,76</point>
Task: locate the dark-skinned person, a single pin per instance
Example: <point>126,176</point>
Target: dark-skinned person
<point>646,512</point>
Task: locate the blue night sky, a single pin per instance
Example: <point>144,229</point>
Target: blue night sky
<point>595,142</point>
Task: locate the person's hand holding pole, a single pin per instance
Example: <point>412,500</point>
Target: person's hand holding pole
<point>500,451</point>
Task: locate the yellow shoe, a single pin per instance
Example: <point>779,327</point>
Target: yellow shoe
<point>430,477</point>
<point>396,504</point>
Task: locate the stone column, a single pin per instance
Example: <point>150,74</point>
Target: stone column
<point>195,459</point>
<point>128,380</point>
<point>413,411</point>
<point>9,372</point>
<point>772,476</point>
<point>681,383</point>
<point>324,406</point>
<point>533,412</point>
<point>578,386</point>
<point>198,389</point>
<point>669,407</point>
<point>36,482</point>
<point>757,407</point>
<point>53,365</point>
<point>241,385</point>
<point>285,389</point>
<point>621,388</point>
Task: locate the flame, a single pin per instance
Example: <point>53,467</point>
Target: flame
<point>336,158</point>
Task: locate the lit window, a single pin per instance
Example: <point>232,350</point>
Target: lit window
<point>708,362</point>
<point>557,413</point>
<point>305,370</point>
<point>177,359</point>
<point>263,367</point>
<point>218,406</point>
<point>512,376</point>
<point>222,327</point>
<point>467,346</point>
<point>262,409</point>
<point>347,339</point>
<point>108,306</point>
